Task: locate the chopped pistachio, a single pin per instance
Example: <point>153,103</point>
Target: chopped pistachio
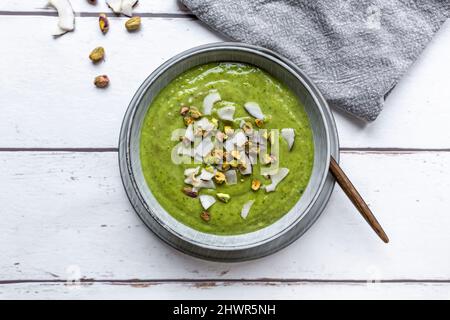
<point>218,153</point>
<point>256,184</point>
<point>209,168</point>
<point>236,154</point>
<point>205,216</point>
<point>223,197</point>
<point>219,177</point>
<point>215,122</point>
<point>190,192</point>
<point>234,164</point>
<point>188,120</point>
<point>209,160</point>
<point>225,166</point>
<point>247,127</point>
<point>266,159</point>
<point>228,130</point>
<point>199,132</point>
<point>259,123</point>
<point>194,113</point>
<point>184,110</point>
<point>220,136</point>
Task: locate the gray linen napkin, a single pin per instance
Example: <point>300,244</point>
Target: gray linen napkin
<point>354,50</point>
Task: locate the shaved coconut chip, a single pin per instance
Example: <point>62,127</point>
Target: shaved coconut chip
<point>204,124</point>
<point>246,208</point>
<point>229,145</point>
<point>276,179</point>
<point>207,201</point>
<point>189,134</point>
<point>231,177</point>
<point>66,16</point>
<point>206,185</point>
<point>184,150</point>
<point>248,168</point>
<point>209,101</point>
<point>289,135</point>
<point>254,110</point>
<point>206,175</point>
<point>204,147</point>
<point>226,113</point>
<point>127,7</point>
<point>240,139</point>
<point>191,171</point>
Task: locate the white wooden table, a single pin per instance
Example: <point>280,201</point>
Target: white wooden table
<point>65,216</point>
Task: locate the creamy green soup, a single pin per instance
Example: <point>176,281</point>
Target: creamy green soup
<point>180,102</point>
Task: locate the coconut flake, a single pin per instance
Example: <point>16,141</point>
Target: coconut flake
<point>189,134</point>
<point>206,175</point>
<point>288,134</point>
<point>204,124</point>
<point>204,147</point>
<point>184,150</point>
<point>254,110</point>
<point>209,101</point>
<point>115,5</point>
<point>226,113</point>
<point>276,179</point>
<point>191,171</point>
<point>231,177</point>
<point>240,139</point>
<point>207,201</point>
<point>66,16</point>
<point>248,167</point>
<point>246,208</point>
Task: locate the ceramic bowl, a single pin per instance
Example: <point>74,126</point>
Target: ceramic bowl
<point>234,247</point>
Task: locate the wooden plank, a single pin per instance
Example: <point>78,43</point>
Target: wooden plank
<point>68,211</point>
<point>82,6</point>
<point>47,98</point>
<point>225,291</point>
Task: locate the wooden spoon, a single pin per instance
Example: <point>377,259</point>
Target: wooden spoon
<point>356,198</point>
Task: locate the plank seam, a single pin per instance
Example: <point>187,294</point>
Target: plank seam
<point>95,14</point>
<point>231,281</point>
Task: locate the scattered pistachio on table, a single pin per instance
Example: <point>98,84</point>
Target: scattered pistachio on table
<point>133,24</point>
<point>101,81</point>
<point>103,23</point>
<point>97,54</point>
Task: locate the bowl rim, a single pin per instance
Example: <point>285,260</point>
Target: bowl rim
<point>150,80</point>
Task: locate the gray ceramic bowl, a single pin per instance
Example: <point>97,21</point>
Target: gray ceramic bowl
<point>237,247</point>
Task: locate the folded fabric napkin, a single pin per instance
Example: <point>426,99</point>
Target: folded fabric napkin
<point>354,50</point>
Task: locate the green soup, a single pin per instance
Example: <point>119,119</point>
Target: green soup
<point>237,84</point>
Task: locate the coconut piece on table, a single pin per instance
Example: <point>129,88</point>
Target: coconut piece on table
<point>127,7</point>
<point>246,208</point>
<point>276,179</point>
<point>231,177</point>
<point>207,201</point>
<point>122,6</point>
<point>226,113</point>
<point>209,101</point>
<point>288,134</point>
<point>254,110</point>
<point>66,16</point>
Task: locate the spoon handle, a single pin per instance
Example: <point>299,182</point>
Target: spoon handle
<point>356,199</point>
